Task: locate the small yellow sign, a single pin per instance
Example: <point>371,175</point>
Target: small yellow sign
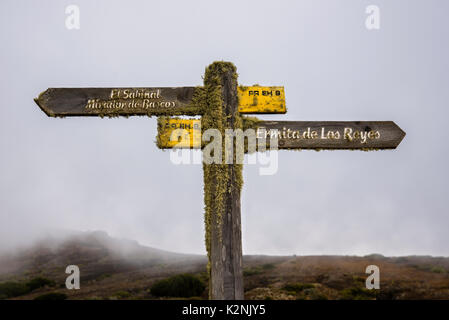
<point>257,99</point>
<point>179,133</point>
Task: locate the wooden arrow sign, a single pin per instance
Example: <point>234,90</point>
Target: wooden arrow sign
<point>362,135</point>
<point>332,134</point>
<point>65,102</point>
<point>62,102</point>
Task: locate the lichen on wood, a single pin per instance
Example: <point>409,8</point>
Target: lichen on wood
<point>250,123</point>
<point>220,179</point>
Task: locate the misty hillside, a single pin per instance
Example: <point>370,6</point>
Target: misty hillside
<point>122,269</point>
<point>95,253</point>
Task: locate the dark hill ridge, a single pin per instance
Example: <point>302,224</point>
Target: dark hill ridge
<point>123,269</point>
<point>95,253</point>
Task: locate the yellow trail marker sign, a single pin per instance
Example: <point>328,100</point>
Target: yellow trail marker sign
<point>182,133</point>
<point>258,99</point>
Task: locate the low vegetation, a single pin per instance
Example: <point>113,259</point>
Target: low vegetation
<point>12,289</point>
<point>258,269</point>
<point>121,295</point>
<point>107,274</point>
<point>357,293</point>
<point>298,287</point>
<point>182,285</point>
<point>39,282</point>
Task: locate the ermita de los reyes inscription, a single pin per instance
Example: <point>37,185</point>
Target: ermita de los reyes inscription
<point>297,134</point>
<point>331,134</point>
<point>347,133</point>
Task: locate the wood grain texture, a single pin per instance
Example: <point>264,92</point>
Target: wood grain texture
<point>66,102</point>
<point>74,102</point>
<point>323,134</point>
<point>384,134</point>
<point>226,237</point>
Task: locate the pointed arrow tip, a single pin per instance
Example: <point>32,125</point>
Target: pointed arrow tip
<point>40,102</point>
<point>401,136</point>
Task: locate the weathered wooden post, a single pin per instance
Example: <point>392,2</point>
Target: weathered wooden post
<point>222,186</point>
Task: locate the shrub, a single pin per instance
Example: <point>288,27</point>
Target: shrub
<point>183,285</point>
<point>298,287</point>
<point>356,293</point>
<point>52,296</point>
<point>122,295</point>
<point>13,289</point>
<point>268,266</point>
<point>358,279</point>
<point>437,269</point>
<point>39,282</point>
<point>251,272</point>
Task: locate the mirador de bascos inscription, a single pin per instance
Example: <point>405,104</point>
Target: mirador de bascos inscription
<point>131,99</point>
<point>65,102</point>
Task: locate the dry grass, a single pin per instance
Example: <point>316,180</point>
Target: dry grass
<point>109,273</point>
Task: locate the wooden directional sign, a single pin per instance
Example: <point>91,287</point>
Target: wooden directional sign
<point>65,102</point>
<point>258,99</point>
<point>361,135</point>
<point>332,134</point>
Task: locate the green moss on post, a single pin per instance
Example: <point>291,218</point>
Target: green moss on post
<point>250,123</point>
<point>222,186</point>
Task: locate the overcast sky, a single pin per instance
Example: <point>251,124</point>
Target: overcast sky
<point>107,174</point>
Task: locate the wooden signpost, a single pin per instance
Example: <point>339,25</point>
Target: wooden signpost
<point>70,102</point>
<point>316,135</point>
<point>220,103</point>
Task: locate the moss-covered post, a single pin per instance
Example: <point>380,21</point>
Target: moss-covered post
<point>222,186</point>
